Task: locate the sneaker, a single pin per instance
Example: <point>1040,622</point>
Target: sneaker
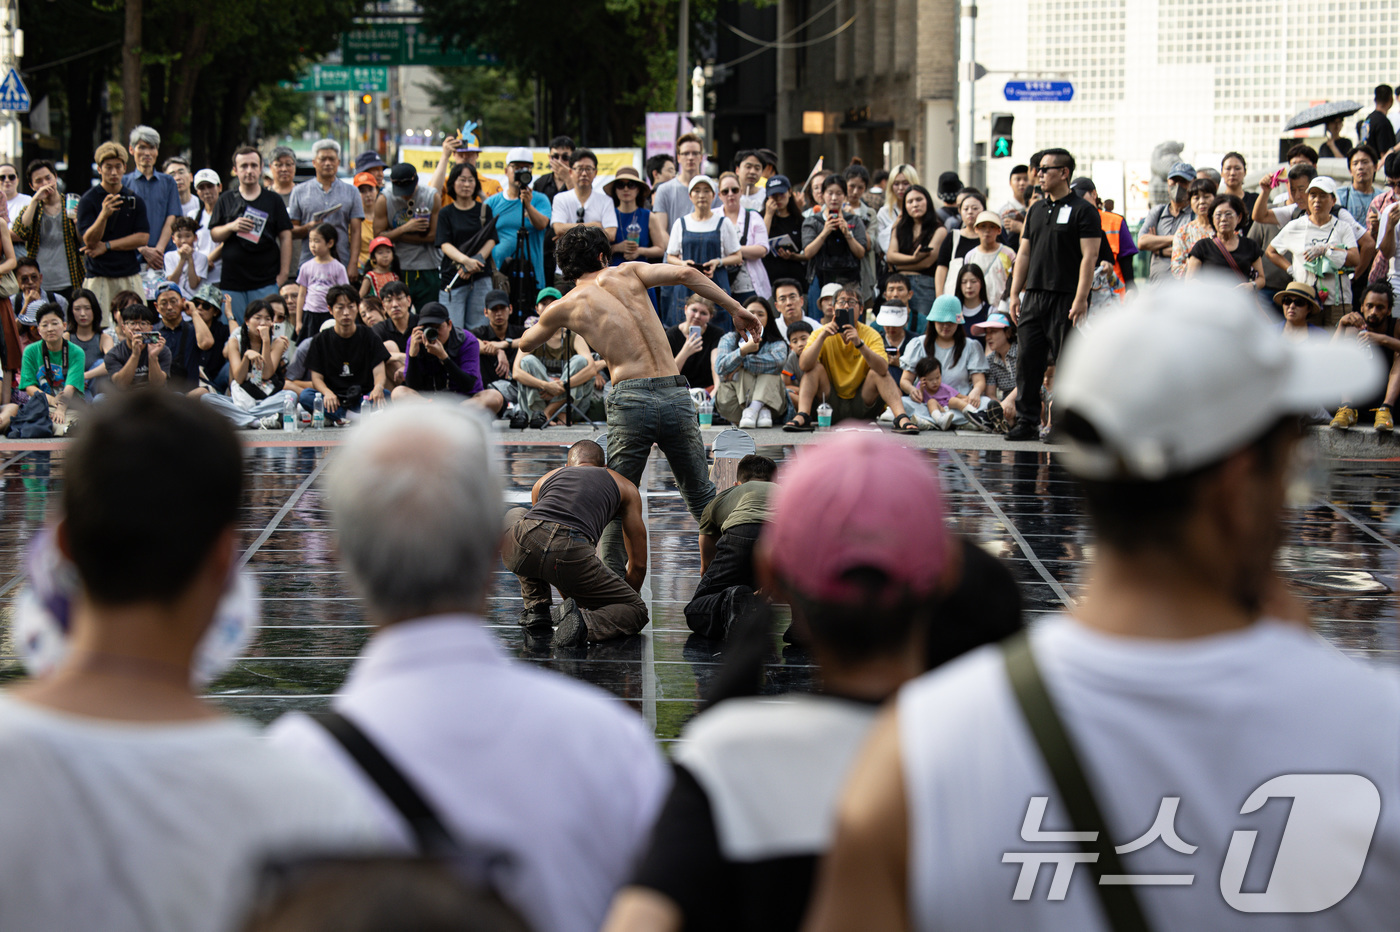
<point>538,421</point>
<point>748,420</point>
<point>765,417</point>
<point>271,422</point>
<point>743,604</point>
<point>572,630</point>
<point>976,420</point>
<point>519,420</point>
<point>886,416</point>
<point>1344,418</point>
<point>1023,431</point>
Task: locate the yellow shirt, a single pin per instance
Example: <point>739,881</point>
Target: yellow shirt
<point>845,366</point>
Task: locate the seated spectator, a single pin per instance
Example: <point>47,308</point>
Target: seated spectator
<point>30,279</point>
<point>797,337</point>
<point>826,300</point>
<point>346,362</point>
<point>214,308</point>
<point>446,361</point>
<point>790,301</point>
<point>84,312</point>
<point>851,372</point>
<point>1318,245</point>
<point>120,301</point>
<point>1000,335</point>
<point>572,787</point>
<point>142,806</point>
<point>892,321</point>
<point>257,372</point>
<point>371,311</point>
<point>128,362</point>
<point>186,339</point>
<point>1228,251</point>
<point>1298,302</point>
<point>964,367</point>
<point>396,330</point>
<point>555,543</point>
<point>750,389</point>
<point>833,241</point>
<point>729,529</point>
<point>186,265</point>
<point>317,275</point>
<point>54,365</point>
<point>540,375</point>
<point>974,303</point>
<point>940,401</point>
<point>694,340</point>
<point>1187,235</point>
<point>864,575</point>
<point>1378,330</point>
<point>498,337</point>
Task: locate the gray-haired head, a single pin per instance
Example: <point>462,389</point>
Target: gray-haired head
<point>415,498</point>
<point>146,134</point>
<point>282,152</point>
<point>321,144</point>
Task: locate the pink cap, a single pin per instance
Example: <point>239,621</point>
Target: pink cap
<point>857,500</point>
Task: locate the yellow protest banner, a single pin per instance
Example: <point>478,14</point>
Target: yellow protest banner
<point>492,162</point>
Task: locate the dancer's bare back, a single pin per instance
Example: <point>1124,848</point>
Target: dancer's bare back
<point>611,310</point>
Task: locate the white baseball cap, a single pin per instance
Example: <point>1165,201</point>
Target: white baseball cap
<point>520,154</point>
<point>831,289</point>
<point>892,315</point>
<point>701,179</point>
<point>1187,375</point>
<point>206,176</point>
<point>1324,184</point>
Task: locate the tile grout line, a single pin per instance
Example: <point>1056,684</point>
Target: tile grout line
<point>1365,528</point>
<point>282,512</point>
<point>648,648</point>
<point>1012,530</point>
<point>14,459</point>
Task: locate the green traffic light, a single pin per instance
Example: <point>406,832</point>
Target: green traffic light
<point>1001,147</point>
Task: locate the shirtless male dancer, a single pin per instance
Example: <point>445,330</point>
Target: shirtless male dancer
<point>650,401</point>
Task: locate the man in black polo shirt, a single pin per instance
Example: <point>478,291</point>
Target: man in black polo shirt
<point>1055,268</point>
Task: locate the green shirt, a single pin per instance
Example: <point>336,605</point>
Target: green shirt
<point>746,503</point>
<point>45,371</point>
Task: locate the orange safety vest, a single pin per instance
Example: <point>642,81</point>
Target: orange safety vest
<point>1112,225</point>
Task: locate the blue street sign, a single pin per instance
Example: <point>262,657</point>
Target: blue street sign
<point>1039,90</point>
<point>14,95</point>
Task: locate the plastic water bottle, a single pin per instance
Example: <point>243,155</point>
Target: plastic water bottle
<point>634,231</point>
<point>707,413</point>
<point>318,413</point>
<point>289,413</point>
<point>365,406</point>
<point>823,415</point>
<point>150,280</point>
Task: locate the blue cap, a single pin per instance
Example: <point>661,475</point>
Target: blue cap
<point>946,310</point>
<point>166,285</point>
<point>1182,170</point>
<point>778,184</point>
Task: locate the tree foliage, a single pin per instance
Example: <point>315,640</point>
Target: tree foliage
<point>500,100</point>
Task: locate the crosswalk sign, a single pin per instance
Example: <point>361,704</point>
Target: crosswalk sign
<point>14,96</point>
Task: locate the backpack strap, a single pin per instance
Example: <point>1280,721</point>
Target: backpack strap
<point>1120,903</point>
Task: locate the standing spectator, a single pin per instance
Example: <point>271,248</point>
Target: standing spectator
<point>256,233</point>
<point>857,181</point>
<point>833,243</point>
<point>407,214</point>
<point>283,163</point>
<point>346,362</point>
<point>555,543</point>
<point>671,201</point>
<point>1335,145</point>
<point>958,242</point>
<point>327,199</point>
<point>157,191</point>
<point>113,223</point>
<point>875,197</point>
<point>186,264</point>
<point>748,168</point>
<point>1147,677</point>
<point>155,806</point>
<point>458,151</point>
<point>704,241</point>
<point>949,187</point>
<point>994,260</point>
<point>1054,270</point>
<point>729,529</point>
<point>1227,250</point>
<point>1375,131</point>
<point>466,235</point>
<point>47,232</point>
<point>1158,231</point>
<point>750,387</point>
<point>177,168</point>
<point>693,342</point>
<point>1318,245</point>
<point>581,205</point>
<point>749,277</point>
<point>1013,212</point>
<point>911,252</point>
<point>316,278</point>
<point>560,176</point>
<point>518,209</point>
<point>1115,230</point>
<point>887,216</point>
<point>208,188</point>
<point>1232,169</point>
<point>571,794</point>
<point>1202,192</point>
<point>659,169</point>
<point>9,190</point>
<point>647,243</point>
<point>369,193</point>
<point>372,164</point>
<point>782,218</point>
<point>790,301</point>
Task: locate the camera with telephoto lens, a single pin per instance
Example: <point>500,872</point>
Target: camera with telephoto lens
<point>522,177</point>
<point>430,333</point>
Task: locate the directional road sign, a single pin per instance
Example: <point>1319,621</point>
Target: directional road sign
<point>14,96</point>
<point>1039,90</point>
<point>403,44</point>
<point>332,78</point>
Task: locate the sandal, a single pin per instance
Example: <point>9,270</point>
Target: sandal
<point>801,423</point>
<point>904,424</point>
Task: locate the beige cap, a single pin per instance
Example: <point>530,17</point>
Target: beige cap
<point>987,216</point>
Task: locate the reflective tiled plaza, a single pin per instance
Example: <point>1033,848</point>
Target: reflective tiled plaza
<point>1017,504</point>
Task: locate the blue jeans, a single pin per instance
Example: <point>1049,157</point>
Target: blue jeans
<point>248,418</point>
<point>241,299</point>
<point>308,401</point>
<point>646,411</point>
<point>466,304</point>
<point>921,300</point>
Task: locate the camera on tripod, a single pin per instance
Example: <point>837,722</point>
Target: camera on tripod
<point>522,178</point>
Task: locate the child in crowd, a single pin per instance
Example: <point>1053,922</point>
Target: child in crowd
<point>317,277</point>
<point>940,401</point>
<point>798,334</point>
<point>382,267</point>
<point>186,265</point>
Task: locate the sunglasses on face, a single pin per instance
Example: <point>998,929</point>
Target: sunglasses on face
<point>728,190</point>
<point>1293,302</point>
<point>627,186</point>
<point>9,177</point>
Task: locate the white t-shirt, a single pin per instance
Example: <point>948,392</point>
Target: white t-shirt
<point>16,205</point>
<point>1387,217</point>
<point>1206,721</point>
<point>598,209</point>
<point>191,207</point>
<point>782,324</point>
<point>130,827</point>
<point>198,258</point>
<point>728,235</point>
<point>1302,234</point>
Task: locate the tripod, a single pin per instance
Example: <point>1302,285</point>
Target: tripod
<point>567,409</point>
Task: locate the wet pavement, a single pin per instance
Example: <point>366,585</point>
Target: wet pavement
<point>1017,504</point>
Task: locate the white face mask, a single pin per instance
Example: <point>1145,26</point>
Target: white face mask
<point>43,616</point>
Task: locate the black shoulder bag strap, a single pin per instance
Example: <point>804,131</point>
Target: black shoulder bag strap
<point>433,836</point>
<point>1120,903</point>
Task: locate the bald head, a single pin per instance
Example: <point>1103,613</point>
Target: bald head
<point>586,453</point>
